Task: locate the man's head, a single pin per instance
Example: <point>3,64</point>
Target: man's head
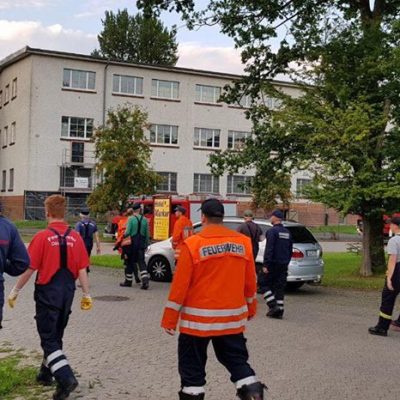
<point>276,217</point>
<point>248,215</point>
<point>84,213</point>
<point>212,212</point>
<point>136,208</point>
<point>395,224</point>
<point>179,211</point>
<point>55,206</point>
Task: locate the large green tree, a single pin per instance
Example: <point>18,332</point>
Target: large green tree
<point>344,57</point>
<point>135,38</point>
<point>123,159</point>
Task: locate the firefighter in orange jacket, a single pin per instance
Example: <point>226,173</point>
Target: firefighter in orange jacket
<point>183,227</point>
<point>213,293</point>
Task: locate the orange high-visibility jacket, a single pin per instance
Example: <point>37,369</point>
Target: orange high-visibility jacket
<point>183,228</point>
<point>121,229</point>
<point>214,286</point>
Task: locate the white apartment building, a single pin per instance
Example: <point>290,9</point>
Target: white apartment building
<point>50,103</point>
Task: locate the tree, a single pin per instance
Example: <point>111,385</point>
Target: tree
<point>123,155</point>
<point>134,38</point>
<point>344,56</point>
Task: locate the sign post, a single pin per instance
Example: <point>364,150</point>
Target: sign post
<point>162,207</point>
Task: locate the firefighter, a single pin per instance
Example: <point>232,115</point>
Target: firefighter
<point>183,227</point>
<point>14,259</point>
<point>391,288</point>
<point>213,293</point>
<point>277,255</point>
<point>137,229</point>
<point>59,257</point>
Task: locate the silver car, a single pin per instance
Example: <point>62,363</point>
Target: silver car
<point>306,265</point>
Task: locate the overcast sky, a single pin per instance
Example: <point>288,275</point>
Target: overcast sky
<point>73,25</point>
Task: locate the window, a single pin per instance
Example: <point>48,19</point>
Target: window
<point>3,180</point>
<point>7,95</point>
<point>13,133</point>
<point>76,177</point>
<point>77,152</point>
<point>301,183</point>
<point>205,183</point>
<point>246,101</point>
<point>14,89</point>
<point>168,182</point>
<point>76,79</point>
<point>5,137</point>
<point>207,94</point>
<point>127,84</point>
<point>1,98</point>
<point>164,134</point>
<point>74,127</point>
<point>11,180</point>
<point>239,184</point>
<point>236,139</point>
<point>207,137</point>
<point>165,89</point>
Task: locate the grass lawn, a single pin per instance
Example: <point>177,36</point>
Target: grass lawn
<point>107,260</point>
<point>344,229</point>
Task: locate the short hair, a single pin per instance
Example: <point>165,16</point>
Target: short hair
<point>129,211</point>
<point>55,206</point>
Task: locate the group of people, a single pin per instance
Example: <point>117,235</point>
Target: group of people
<point>213,293</point>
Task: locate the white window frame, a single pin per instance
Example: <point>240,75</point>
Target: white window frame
<point>1,99</point>
<point>169,176</point>
<point>13,133</point>
<point>236,137</point>
<point>155,89</point>
<point>301,183</point>
<point>77,138</point>
<point>3,180</point>
<point>5,137</point>
<point>214,183</point>
<point>69,84</point>
<point>231,184</point>
<point>7,94</point>
<point>158,136</point>
<point>135,79</point>
<point>199,96</point>
<point>200,134</point>
<point>14,89</point>
<point>11,180</point>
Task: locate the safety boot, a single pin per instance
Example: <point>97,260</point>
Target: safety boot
<point>275,312</point>
<point>186,396</point>
<point>44,376</point>
<point>65,388</point>
<point>254,391</point>
<point>377,330</point>
<point>145,283</point>
<point>126,283</point>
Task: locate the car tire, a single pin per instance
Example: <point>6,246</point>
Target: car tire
<point>159,269</point>
<point>293,286</point>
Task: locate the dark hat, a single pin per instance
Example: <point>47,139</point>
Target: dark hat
<point>181,209</point>
<point>212,208</point>
<point>136,206</point>
<point>394,220</point>
<point>85,211</point>
<point>277,214</point>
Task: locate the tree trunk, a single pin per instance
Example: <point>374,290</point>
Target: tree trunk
<point>373,256</point>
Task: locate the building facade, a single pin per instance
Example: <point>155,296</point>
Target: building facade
<point>51,103</point>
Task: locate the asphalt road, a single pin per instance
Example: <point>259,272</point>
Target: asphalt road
<point>321,350</point>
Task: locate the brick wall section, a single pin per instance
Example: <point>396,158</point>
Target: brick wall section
<point>309,214</point>
<point>13,207</point>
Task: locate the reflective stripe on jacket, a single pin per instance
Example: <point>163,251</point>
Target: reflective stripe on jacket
<point>214,286</point>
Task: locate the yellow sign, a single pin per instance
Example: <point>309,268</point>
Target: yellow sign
<point>161,219</point>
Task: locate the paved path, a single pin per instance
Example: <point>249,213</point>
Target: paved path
<point>320,351</point>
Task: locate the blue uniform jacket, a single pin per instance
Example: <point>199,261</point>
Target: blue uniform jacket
<point>279,246</point>
<point>86,228</point>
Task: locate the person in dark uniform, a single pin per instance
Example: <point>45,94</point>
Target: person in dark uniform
<point>14,259</point>
<point>59,257</point>
<point>137,229</point>
<point>277,255</point>
<point>87,228</point>
<point>391,288</point>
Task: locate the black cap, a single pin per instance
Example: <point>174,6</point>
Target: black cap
<point>394,220</point>
<point>212,208</point>
<point>277,214</point>
<point>85,211</point>
<point>181,209</point>
<point>136,206</point>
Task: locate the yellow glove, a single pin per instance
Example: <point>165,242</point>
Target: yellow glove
<point>12,297</point>
<point>86,302</point>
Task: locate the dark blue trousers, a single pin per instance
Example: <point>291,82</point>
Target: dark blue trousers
<point>389,299</point>
<point>272,284</point>
<point>230,350</point>
<point>53,307</point>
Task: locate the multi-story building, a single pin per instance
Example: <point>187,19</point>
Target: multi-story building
<point>51,102</point>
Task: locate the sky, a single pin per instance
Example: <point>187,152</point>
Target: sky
<point>73,26</point>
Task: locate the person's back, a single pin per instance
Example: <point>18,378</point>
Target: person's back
<point>251,230</point>
<point>183,227</point>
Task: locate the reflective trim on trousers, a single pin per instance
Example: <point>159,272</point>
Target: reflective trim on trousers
<point>51,357</point>
<point>386,316</point>
<point>58,365</point>
<point>194,390</point>
<point>246,381</point>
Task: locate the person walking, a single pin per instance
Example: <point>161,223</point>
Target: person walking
<point>14,259</point>
<point>213,293</point>
<point>137,229</point>
<point>252,230</point>
<point>87,228</point>
<point>183,227</point>
<point>391,289</point>
<point>277,255</point>
<point>59,257</point>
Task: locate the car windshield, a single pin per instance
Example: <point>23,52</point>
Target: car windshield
<point>300,234</point>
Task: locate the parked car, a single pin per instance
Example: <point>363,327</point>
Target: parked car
<point>306,265</point>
